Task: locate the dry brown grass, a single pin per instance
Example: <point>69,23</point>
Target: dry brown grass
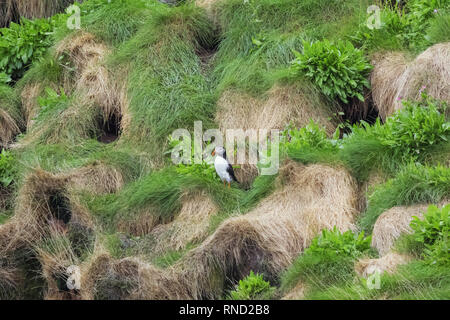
<point>29,95</point>
<point>96,98</point>
<point>283,105</point>
<point>11,10</point>
<point>40,226</point>
<point>97,178</point>
<point>298,293</point>
<point>268,238</point>
<point>265,240</point>
<point>393,223</point>
<point>189,226</point>
<point>86,54</point>
<point>139,224</point>
<point>8,128</point>
<point>387,263</point>
<point>395,77</point>
<point>103,277</point>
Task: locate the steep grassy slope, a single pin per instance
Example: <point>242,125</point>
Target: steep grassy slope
<point>87,131</point>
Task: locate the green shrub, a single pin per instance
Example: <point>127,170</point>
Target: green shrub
<point>310,136</point>
<point>338,69</point>
<point>333,242</point>
<point>433,233</point>
<point>329,259</point>
<point>4,78</point>
<point>21,44</point>
<point>414,128</point>
<point>409,135</point>
<point>253,287</point>
<point>310,144</point>
<point>406,28</point>
<point>7,168</point>
<point>202,169</point>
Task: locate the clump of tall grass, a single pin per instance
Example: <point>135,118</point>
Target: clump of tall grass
<point>328,260</point>
<point>413,184</point>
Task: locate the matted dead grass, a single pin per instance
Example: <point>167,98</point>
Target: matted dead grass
<point>8,128</point>
<point>391,224</point>
<point>387,263</point>
<point>87,54</point>
<point>97,178</point>
<point>12,10</point>
<point>297,293</point>
<point>29,95</point>
<point>97,99</point>
<point>189,226</point>
<point>268,238</point>
<point>106,278</point>
<point>283,105</point>
<point>395,77</point>
<point>140,223</point>
<point>47,214</point>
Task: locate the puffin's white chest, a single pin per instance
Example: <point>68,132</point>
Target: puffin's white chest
<point>221,166</point>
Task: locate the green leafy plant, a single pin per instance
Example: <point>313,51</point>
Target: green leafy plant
<point>433,232</point>
<point>310,136</point>
<point>338,69</point>
<point>405,27</point>
<point>409,135</point>
<point>22,43</point>
<point>4,78</point>
<point>7,169</point>
<point>253,287</point>
<point>328,260</point>
<point>416,127</point>
<point>335,243</point>
<point>51,101</point>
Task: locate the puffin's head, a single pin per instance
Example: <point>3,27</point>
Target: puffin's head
<point>220,151</point>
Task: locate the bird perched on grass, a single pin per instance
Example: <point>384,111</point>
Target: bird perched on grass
<point>223,167</point>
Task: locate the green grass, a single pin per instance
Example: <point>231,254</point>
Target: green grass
<point>329,260</point>
<point>157,50</point>
<point>414,281</point>
<point>414,184</point>
<point>10,102</point>
<point>166,87</point>
<point>259,36</point>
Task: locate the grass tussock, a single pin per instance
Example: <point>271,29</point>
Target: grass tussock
<point>11,118</point>
<point>413,185</point>
<point>191,225</point>
<point>267,239</point>
<point>393,223</point>
<point>387,263</point>
<point>395,78</point>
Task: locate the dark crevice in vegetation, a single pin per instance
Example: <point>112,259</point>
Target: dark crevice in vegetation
<point>356,110</point>
<point>59,206</point>
<point>110,129</point>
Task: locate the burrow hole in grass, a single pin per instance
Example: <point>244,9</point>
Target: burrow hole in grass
<point>59,206</point>
<point>356,111</point>
<point>252,259</point>
<point>206,49</point>
<point>110,128</point>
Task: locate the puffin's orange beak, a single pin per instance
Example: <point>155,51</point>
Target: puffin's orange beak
<point>213,153</point>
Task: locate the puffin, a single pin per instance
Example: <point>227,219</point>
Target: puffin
<point>223,167</point>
